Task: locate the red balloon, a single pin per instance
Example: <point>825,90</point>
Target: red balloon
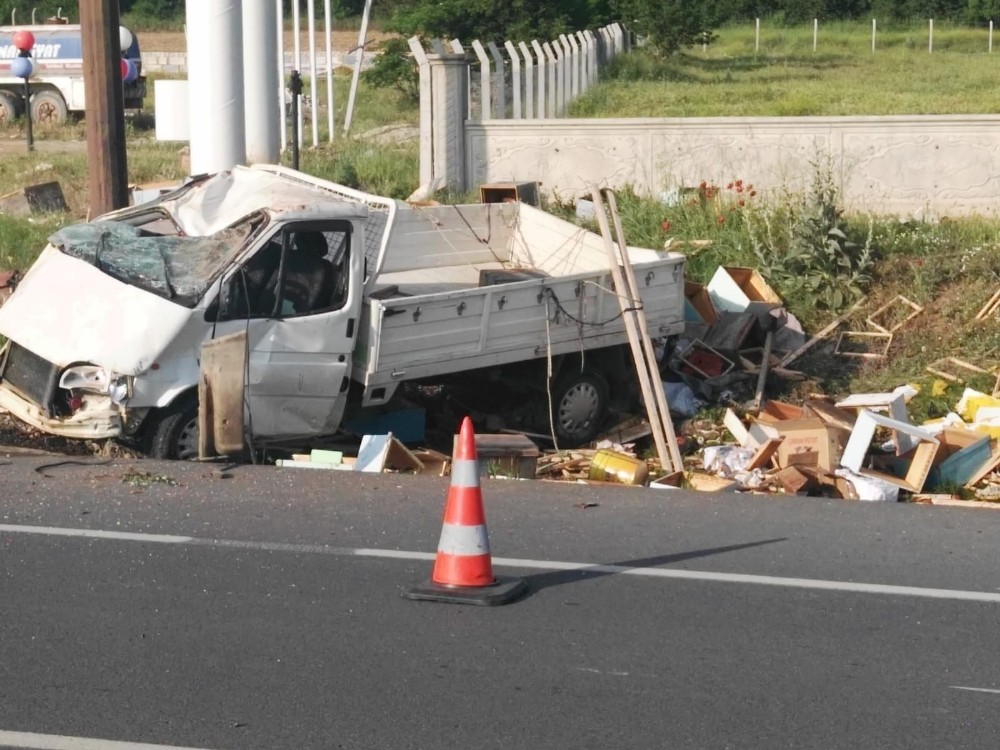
<point>24,40</point>
<point>124,68</point>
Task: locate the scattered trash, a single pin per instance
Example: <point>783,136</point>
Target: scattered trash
<point>140,478</point>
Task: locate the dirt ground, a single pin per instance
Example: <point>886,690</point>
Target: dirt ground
<point>173,41</point>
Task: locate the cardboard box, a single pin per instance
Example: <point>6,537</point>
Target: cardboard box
<point>735,289</point>
<point>808,438</point>
<point>505,455</point>
<point>778,411</point>
<point>698,305</point>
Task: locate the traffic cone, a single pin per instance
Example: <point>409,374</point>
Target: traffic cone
<point>463,568</point>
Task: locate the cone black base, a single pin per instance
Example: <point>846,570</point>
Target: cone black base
<point>501,591</point>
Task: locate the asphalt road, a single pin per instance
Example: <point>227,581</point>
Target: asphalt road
<point>264,610</point>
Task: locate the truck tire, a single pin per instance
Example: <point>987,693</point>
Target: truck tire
<point>173,434</point>
<point>579,403</point>
<point>10,107</point>
<point>49,108</point>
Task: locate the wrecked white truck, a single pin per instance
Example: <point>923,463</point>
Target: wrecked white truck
<point>342,296</point>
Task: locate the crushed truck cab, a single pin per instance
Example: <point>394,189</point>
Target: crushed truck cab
<point>342,297</point>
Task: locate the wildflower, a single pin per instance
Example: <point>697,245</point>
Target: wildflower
<point>729,186</point>
<point>721,220</point>
<point>753,193</point>
<point>741,203</point>
<point>665,226</point>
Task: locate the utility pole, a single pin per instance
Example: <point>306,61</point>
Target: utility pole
<point>105,115</point>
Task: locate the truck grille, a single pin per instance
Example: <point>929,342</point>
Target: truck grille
<point>30,375</point>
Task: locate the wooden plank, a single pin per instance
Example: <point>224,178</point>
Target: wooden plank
<point>871,319</point>
<point>846,335</point>
<point>990,307</point>
<point>644,359</point>
<point>833,326</point>
<point>765,453</point>
<point>986,469</point>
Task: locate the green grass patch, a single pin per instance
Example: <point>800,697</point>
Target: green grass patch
<point>785,77</point>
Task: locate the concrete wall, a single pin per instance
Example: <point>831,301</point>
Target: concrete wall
<point>893,165</point>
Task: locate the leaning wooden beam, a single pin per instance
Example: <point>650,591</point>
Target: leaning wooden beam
<point>792,356</point>
<point>990,307</point>
<point>666,421</point>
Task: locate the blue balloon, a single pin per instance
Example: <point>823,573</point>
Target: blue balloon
<point>22,67</point>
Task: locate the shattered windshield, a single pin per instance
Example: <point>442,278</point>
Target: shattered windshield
<point>177,268</point>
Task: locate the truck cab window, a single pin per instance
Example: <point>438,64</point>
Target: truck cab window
<point>311,278</point>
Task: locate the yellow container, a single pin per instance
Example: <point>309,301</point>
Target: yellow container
<point>610,466</point>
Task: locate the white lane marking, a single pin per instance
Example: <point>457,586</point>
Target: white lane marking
<point>92,533</point>
<point>513,562</point>
<point>31,741</point>
<point>975,689</point>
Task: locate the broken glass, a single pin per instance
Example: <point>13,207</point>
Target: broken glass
<point>177,268</point>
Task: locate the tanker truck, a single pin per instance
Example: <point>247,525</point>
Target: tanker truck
<point>57,87</point>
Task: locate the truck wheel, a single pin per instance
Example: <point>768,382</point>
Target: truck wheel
<point>10,107</point>
<point>579,402</point>
<point>49,108</point>
<point>174,434</point>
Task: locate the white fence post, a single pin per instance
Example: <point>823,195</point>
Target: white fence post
<point>501,80</point>
<point>426,136</point>
<point>873,35</point>
<point>567,77</point>
<point>581,41</point>
<point>553,70</point>
<point>815,32</point>
<point>485,83</point>
<point>930,37</point>
<point>515,76</point>
<point>593,56</point>
<point>574,67</point>
<point>543,69</point>
<point>529,81</point>
<point>560,78</point>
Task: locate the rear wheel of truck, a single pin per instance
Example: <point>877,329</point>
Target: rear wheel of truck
<point>579,403</point>
<point>174,433</point>
<point>10,107</point>
<point>49,108</point>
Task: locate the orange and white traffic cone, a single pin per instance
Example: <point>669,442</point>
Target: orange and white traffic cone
<point>463,568</point>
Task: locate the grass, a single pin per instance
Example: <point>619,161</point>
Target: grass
<point>785,77</point>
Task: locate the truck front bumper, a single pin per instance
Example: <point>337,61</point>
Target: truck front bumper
<point>99,418</point>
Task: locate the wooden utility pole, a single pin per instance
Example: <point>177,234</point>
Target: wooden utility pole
<point>105,115</point>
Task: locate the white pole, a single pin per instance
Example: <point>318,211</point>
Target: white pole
<point>873,36</point>
<point>991,35</point>
<point>297,42</point>
<point>260,80</point>
<point>756,44</point>
<point>362,41</point>
<point>215,85</point>
<point>815,32</point>
<point>542,70</point>
<point>930,37</point>
<point>280,22</point>
<point>328,16</point>
<point>313,83</point>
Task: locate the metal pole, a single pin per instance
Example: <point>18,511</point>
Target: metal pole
<point>362,41</point>
<point>27,115</point>
<point>296,95</point>
<point>280,18</point>
<point>313,83</point>
<point>329,69</point>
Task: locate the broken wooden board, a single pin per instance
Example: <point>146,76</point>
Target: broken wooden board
<point>895,323</point>
<point>990,307</point>
<point>849,342</point>
<point>764,454</point>
<point>921,458</point>
<point>792,480</point>
<point>697,356</point>
<point>44,198</point>
<point>987,468</point>
<point>937,368</point>
<point>830,328</point>
<point>708,483</point>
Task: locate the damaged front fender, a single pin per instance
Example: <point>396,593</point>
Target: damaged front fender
<point>96,419</point>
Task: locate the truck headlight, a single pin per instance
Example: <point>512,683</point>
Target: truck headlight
<point>93,379</point>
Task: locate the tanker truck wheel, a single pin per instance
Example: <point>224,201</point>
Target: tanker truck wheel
<point>10,107</point>
<point>48,108</point>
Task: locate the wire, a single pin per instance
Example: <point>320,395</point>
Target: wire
<point>595,324</point>
<point>489,231</point>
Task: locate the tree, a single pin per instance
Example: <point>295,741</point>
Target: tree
<point>670,25</point>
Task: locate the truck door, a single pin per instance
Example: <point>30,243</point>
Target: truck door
<point>298,298</point>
